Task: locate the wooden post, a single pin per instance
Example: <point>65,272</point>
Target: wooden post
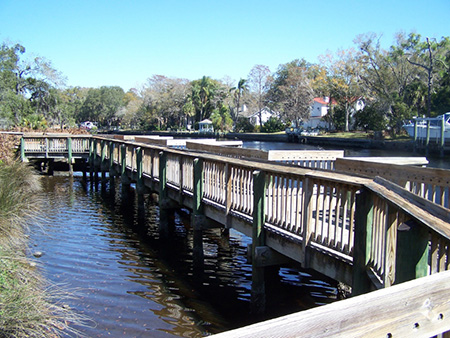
<point>112,169</point>
<point>308,188</point>
<point>229,187</point>
<point>103,163</point>
<point>125,181</point>
<point>442,140</point>
<point>163,207</point>
<point>362,242</point>
<point>69,155</point>
<point>197,214</point>
<point>91,159</point>
<point>391,246</point>
<point>46,147</point>
<point>415,135</point>
<point>22,150</point>
<point>123,165</point>
<point>139,168</point>
<point>258,294</point>
<point>427,142</point>
<point>412,252</point>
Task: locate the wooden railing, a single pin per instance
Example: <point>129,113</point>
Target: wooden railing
<point>419,308</point>
<point>317,208</point>
<point>48,146</point>
<point>384,233</point>
<point>430,183</point>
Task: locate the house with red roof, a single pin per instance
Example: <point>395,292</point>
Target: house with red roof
<point>319,109</point>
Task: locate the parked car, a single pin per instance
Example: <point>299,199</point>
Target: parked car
<point>87,125</point>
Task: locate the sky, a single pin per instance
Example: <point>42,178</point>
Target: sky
<point>124,42</point>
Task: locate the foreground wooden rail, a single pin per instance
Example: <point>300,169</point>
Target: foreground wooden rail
<point>419,308</point>
<point>368,233</point>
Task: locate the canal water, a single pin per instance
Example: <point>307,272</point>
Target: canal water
<point>106,252</point>
<point>130,283</point>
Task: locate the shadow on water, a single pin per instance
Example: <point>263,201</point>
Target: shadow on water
<point>132,283</point>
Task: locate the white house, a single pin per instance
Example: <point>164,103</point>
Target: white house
<point>266,114</point>
<point>319,109</point>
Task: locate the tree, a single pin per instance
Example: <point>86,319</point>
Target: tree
<point>26,86</point>
<point>291,92</point>
<point>221,119</point>
<point>429,56</point>
<point>273,125</point>
<point>385,76</point>
<point>164,98</point>
<point>259,81</point>
<point>344,81</point>
<point>202,97</point>
<point>238,92</point>
<point>103,105</point>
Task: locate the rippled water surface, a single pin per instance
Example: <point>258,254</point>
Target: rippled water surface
<point>131,283</point>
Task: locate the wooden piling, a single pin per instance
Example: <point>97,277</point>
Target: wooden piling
<point>197,214</point>
<point>69,155</point>
<point>258,293</point>
<point>363,231</point>
<point>163,199</point>
<point>412,252</point>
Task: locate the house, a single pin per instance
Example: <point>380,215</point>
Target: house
<point>266,114</point>
<point>319,109</point>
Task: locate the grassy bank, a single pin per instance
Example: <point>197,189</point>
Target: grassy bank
<point>29,307</point>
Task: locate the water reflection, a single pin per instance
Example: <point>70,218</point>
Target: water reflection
<point>132,283</point>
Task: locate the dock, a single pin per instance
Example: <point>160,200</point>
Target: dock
<point>381,228</point>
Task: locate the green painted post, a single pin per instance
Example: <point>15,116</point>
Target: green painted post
<point>22,150</point>
<point>258,293</point>
<point>112,147</point>
<point>91,159</point>
<point>362,242</point>
<point>412,252</point>
<point>123,165</point>
<point>112,169</point>
<point>442,140</point>
<point>163,207</point>
<point>415,135</point>
<point>197,214</point>
<point>103,162</point>
<point>69,154</point>
<point>95,164</point>
<point>139,167</point>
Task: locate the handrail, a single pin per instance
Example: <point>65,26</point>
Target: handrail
<point>430,183</point>
<point>404,310</point>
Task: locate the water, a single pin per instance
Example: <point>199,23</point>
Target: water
<point>131,283</point>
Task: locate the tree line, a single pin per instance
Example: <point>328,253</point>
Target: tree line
<point>410,78</point>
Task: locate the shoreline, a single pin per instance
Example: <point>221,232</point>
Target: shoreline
<point>311,140</point>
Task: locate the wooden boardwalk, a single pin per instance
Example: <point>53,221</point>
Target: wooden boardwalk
<point>347,222</point>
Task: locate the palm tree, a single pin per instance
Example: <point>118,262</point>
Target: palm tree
<point>202,92</point>
<point>239,91</point>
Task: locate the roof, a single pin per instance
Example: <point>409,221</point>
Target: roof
<point>323,102</point>
<point>205,121</point>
